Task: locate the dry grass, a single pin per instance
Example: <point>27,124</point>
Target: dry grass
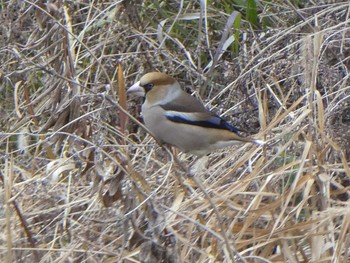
<point>81,182</point>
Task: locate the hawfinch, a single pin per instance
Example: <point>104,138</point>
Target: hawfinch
<point>176,118</point>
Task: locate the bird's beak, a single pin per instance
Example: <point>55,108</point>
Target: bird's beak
<point>136,89</point>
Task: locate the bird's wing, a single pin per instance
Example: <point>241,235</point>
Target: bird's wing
<point>202,119</point>
<point>188,110</point>
<point>184,103</point>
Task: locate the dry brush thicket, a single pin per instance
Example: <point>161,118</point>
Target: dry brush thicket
<point>81,180</point>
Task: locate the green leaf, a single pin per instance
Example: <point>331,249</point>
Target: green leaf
<point>252,13</point>
<point>237,27</point>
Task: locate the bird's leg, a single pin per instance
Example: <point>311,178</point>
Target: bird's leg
<point>188,170</point>
<point>173,157</point>
<point>196,166</point>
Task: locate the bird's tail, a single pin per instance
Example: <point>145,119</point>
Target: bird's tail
<point>256,141</point>
<point>259,142</point>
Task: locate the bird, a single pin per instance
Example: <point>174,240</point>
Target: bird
<point>176,118</point>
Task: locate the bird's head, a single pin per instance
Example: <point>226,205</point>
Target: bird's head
<point>155,87</point>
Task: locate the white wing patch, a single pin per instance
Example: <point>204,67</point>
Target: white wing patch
<point>182,115</point>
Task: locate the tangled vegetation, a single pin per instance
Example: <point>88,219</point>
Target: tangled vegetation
<point>82,181</point>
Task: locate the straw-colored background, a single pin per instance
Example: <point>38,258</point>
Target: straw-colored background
<point>81,180</point>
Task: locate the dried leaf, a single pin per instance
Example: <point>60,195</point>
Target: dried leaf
<point>122,98</point>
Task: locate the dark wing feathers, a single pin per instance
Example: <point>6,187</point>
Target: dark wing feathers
<point>190,111</point>
<point>207,120</point>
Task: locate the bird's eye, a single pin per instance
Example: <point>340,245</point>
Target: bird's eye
<point>148,87</point>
